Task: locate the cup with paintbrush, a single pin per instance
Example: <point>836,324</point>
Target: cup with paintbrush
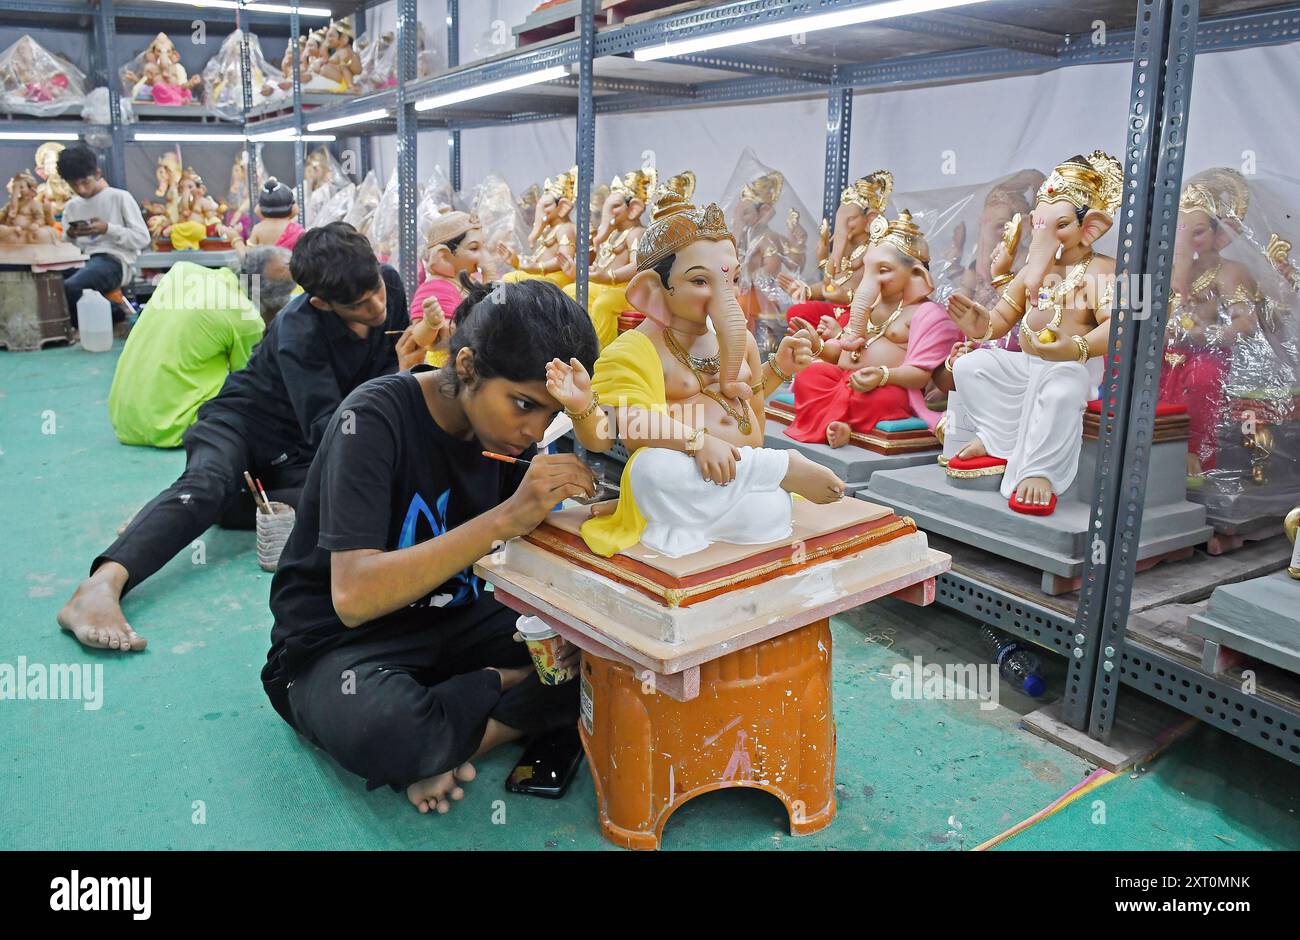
<point>274,523</point>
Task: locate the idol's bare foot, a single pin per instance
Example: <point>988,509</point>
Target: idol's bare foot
<point>94,613</point>
<point>838,434</point>
<point>811,480</point>
<point>974,448</point>
<point>1034,491</point>
<point>436,793</point>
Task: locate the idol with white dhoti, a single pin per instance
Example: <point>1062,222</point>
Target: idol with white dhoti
<point>684,392</point>
<point>1027,407</point>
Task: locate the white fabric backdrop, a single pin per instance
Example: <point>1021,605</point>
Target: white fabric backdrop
<point>957,135</point>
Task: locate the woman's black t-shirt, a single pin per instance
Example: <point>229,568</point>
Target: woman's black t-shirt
<point>386,477</point>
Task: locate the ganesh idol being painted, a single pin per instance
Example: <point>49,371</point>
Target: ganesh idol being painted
<point>878,368</point>
<point>615,246</point>
<point>553,235</point>
<point>686,401</point>
<point>1027,408</point>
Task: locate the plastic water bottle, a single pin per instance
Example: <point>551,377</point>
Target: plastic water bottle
<point>1016,664</point>
<point>95,321</point>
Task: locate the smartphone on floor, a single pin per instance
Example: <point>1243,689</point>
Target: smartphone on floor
<point>548,765</point>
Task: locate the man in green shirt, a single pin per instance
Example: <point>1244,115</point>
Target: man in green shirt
<point>199,326</point>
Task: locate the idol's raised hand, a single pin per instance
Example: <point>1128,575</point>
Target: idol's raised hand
<point>971,318</point>
<point>433,328</point>
<point>829,327</point>
<point>569,384</point>
<point>799,348</point>
<point>797,289</point>
<point>507,254</point>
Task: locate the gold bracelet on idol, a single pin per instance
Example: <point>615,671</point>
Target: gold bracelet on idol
<point>586,412</point>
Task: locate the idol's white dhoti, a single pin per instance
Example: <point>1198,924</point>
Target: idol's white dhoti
<point>684,512</point>
<point>1028,411</point>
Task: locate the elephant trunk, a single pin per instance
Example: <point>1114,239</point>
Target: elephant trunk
<point>732,328</point>
<point>1039,260</point>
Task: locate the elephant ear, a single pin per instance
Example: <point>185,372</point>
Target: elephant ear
<point>920,278</point>
<point>647,294</point>
<point>1095,224</point>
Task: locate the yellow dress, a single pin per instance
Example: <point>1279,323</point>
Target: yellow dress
<point>188,235</point>
<point>628,373</point>
<point>558,278</point>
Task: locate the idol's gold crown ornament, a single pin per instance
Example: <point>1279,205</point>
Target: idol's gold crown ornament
<point>1221,193</point>
<point>677,223</point>
<point>871,193</point>
<point>765,190</point>
<point>563,186</point>
<point>1092,182</point>
<point>638,185</point>
<point>903,234</point>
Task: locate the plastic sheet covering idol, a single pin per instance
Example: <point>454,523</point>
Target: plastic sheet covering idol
<point>383,230</point>
<point>157,76</point>
<point>221,79</point>
<point>323,179</point>
<point>1232,353</point>
<point>500,219</point>
<point>775,233</point>
<point>379,60</point>
<point>239,214</point>
<point>337,207</point>
<point>963,225</point>
<point>362,213</point>
<point>35,81</point>
<point>435,198</point>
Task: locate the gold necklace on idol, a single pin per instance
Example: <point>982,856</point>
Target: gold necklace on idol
<point>712,366</point>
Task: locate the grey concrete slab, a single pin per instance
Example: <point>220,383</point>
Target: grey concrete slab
<point>851,463</point>
<point>1056,544</point>
<point>1260,618</point>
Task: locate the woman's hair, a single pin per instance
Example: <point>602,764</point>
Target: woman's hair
<point>515,330</point>
<point>335,263</point>
<point>276,199</point>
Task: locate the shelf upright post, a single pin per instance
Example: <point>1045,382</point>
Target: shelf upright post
<point>407,25</point>
<point>365,159</point>
<point>839,119</point>
<point>299,145</point>
<point>586,156</point>
<point>246,85</point>
<point>105,30</point>
<point>453,60</point>
<point>1164,47</point>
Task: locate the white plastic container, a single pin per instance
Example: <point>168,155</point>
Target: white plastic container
<point>95,321</point>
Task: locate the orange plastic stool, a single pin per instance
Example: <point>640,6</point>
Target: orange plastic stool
<point>762,719</point>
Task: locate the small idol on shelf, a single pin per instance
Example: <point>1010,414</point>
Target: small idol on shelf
<point>26,219</point>
<point>35,81</point>
<point>223,82</point>
<point>840,255</point>
<point>157,75</point>
<point>53,189</point>
<point>1027,408</point>
<point>190,228</point>
<point>552,236</point>
<point>342,64</point>
<point>687,402</point>
<point>613,261</point>
<point>878,367</point>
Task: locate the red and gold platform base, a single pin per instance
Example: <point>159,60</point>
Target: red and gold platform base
<point>877,440</point>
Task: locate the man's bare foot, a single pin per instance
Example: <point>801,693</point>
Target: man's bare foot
<point>435,793</point>
<point>1034,491</point>
<point>838,434</point>
<point>974,448</point>
<point>811,480</point>
<point>94,615</point>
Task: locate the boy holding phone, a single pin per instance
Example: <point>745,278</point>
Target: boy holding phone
<point>105,223</point>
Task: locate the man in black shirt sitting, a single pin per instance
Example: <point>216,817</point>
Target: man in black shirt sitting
<point>267,419</point>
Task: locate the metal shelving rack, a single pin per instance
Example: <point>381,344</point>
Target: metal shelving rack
<point>936,48</point>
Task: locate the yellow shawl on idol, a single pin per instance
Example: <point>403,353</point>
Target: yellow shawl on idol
<point>628,374</point>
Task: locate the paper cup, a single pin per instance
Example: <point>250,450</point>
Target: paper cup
<point>544,646</point>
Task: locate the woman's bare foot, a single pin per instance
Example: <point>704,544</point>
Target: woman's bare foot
<point>94,615</point>
<point>974,448</point>
<point>838,434</point>
<point>1034,491</point>
<point>435,793</point>
<point>811,480</point>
